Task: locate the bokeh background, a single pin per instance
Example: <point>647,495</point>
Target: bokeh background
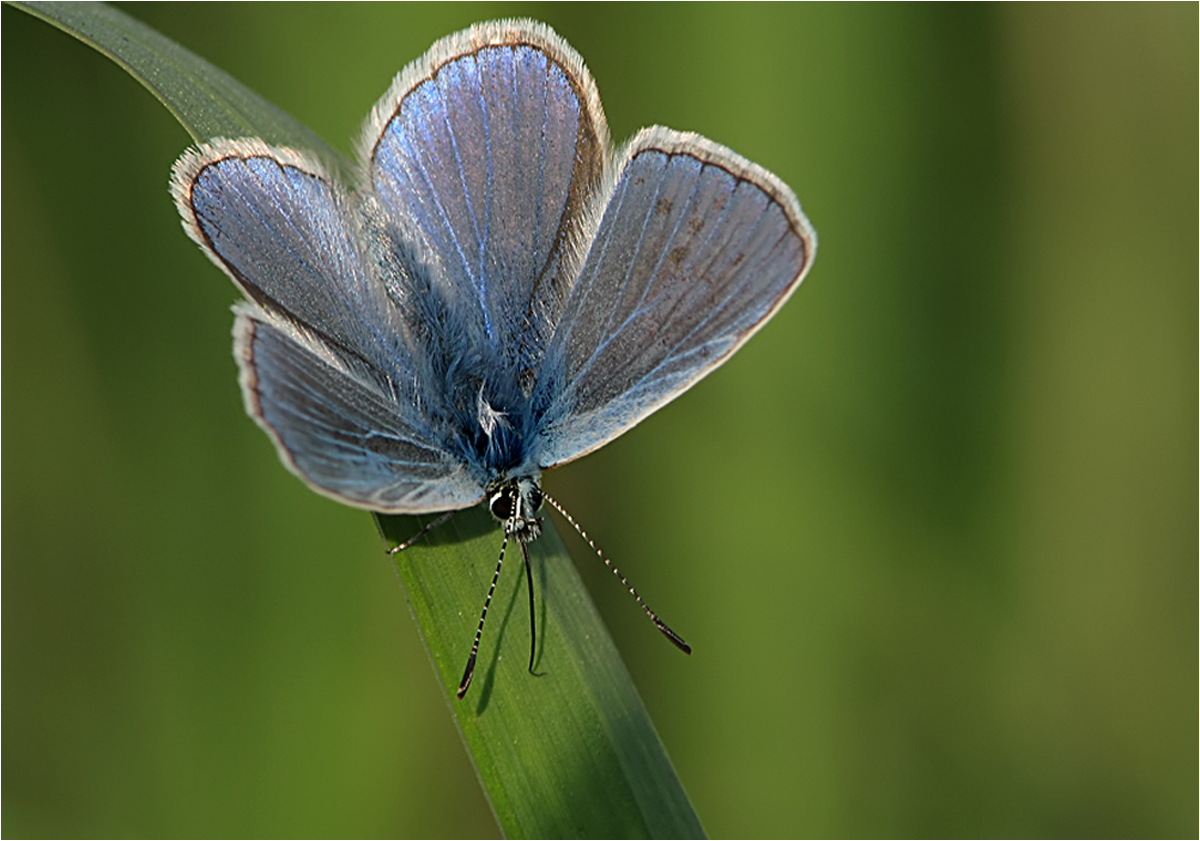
<point>933,533</point>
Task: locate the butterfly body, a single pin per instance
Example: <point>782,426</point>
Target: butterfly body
<point>500,293</point>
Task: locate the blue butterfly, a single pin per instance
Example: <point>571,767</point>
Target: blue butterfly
<point>501,294</point>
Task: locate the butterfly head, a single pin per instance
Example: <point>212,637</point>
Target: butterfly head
<point>515,503</point>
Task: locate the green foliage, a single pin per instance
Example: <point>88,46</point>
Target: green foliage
<point>931,533</point>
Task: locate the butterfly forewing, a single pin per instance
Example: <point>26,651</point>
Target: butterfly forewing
<point>696,249</point>
<point>488,149</point>
<point>290,240</point>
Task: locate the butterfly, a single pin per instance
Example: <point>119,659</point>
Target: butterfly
<point>500,293</point>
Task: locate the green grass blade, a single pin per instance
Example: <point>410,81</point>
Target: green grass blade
<point>567,752</point>
<point>207,101</point>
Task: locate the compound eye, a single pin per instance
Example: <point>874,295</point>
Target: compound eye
<point>535,499</point>
<point>502,505</point>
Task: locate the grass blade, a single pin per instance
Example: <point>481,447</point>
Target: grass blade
<point>570,750</point>
<point>206,100</point>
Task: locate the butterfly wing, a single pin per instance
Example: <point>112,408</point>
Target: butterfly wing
<point>488,149</point>
<point>335,428</point>
<point>272,220</point>
<point>696,249</point>
<point>325,367</point>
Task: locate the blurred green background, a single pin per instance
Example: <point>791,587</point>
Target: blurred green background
<point>932,534</point>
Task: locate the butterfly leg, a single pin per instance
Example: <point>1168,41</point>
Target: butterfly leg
<point>400,547</point>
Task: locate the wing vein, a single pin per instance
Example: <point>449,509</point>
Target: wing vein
<point>476,282</point>
<point>306,265</point>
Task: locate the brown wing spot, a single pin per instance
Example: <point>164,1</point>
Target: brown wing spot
<point>662,207</point>
<point>696,224</point>
<point>677,255</point>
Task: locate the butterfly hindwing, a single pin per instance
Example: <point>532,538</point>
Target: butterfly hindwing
<point>337,427</point>
<point>696,249</point>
